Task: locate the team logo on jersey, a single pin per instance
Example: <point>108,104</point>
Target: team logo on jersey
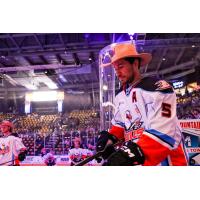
<point>133,134</point>
<point>132,125</point>
<point>128,115</point>
<point>4,149</point>
<point>135,125</point>
<point>133,122</point>
<point>133,128</point>
<point>162,85</point>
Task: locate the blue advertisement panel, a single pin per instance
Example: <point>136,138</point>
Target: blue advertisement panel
<point>191,132</point>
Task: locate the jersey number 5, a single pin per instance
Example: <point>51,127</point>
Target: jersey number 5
<point>166,110</point>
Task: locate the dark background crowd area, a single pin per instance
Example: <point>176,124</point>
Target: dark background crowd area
<point>188,105</point>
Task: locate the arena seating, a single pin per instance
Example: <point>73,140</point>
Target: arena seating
<point>6,116</point>
<point>188,105</point>
<point>85,117</point>
<point>55,132</point>
<point>41,123</point>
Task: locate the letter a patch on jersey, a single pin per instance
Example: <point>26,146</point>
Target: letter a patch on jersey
<point>134,99</point>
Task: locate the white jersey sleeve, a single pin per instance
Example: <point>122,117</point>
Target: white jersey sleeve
<point>117,119</point>
<point>17,146</point>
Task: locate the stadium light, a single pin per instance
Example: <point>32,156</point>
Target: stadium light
<point>131,35</point>
<point>105,87</point>
<point>52,86</point>
<point>45,96</point>
<point>31,87</point>
<point>62,78</point>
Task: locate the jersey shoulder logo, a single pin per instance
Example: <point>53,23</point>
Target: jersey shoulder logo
<point>162,85</point>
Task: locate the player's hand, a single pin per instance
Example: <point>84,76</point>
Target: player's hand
<point>22,155</point>
<point>128,155</point>
<point>106,139</point>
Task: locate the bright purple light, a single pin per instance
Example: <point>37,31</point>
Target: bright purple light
<point>87,35</point>
<point>132,36</point>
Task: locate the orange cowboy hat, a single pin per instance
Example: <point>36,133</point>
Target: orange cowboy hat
<point>118,51</point>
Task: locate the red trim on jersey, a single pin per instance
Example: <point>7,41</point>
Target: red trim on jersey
<point>117,132</point>
<point>84,156</point>
<point>22,149</point>
<point>178,157</point>
<point>16,163</point>
<point>154,152</point>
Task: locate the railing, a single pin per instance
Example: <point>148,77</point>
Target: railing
<point>58,142</point>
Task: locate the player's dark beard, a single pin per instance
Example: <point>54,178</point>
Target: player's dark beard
<point>130,81</point>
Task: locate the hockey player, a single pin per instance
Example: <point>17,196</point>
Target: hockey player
<point>12,149</point>
<point>145,115</point>
<point>76,153</point>
<point>49,158</point>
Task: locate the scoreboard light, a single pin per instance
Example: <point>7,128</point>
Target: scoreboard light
<point>178,84</point>
<point>45,96</point>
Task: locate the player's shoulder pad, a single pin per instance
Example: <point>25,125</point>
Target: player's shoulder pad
<point>153,85</point>
<point>15,135</point>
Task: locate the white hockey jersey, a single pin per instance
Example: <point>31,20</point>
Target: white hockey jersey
<point>10,147</point>
<point>77,154</point>
<point>146,113</point>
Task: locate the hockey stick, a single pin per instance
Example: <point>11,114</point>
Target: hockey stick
<point>1,164</point>
<point>98,154</point>
<point>13,160</point>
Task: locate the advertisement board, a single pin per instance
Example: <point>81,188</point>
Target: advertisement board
<point>191,132</point>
